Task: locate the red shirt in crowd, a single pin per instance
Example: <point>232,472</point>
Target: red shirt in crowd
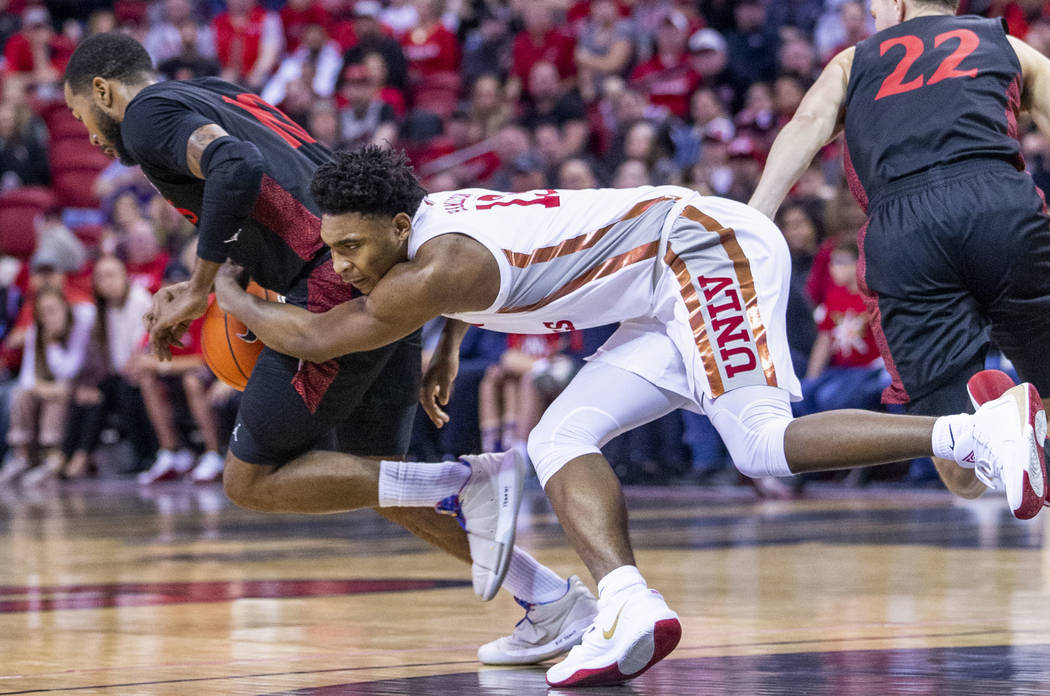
<point>294,21</point>
<point>555,48</point>
<point>18,53</point>
<point>846,320</point>
<point>149,274</point>
<point>431,52</point>
<point>667,84</point>
<point>237,46</point>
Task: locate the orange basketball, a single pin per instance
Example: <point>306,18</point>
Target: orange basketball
<point>229,348</point>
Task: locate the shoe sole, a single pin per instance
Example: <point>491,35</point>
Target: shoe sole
<point>656,646</point>
<point>511,482</point>
<point>1034,435</point>
<point>988,385</point>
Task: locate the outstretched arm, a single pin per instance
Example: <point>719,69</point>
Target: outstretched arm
<point>815,123</point>
<point>450,274</point>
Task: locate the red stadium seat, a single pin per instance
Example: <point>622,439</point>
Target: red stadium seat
<point>74,186</point>
<point>18,211</point>
<point>75,153</point>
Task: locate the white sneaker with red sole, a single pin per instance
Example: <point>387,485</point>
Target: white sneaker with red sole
<point>632,632</point>
<point>1008,435</point>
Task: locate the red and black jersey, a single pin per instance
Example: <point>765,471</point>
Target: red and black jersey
<point>282,237</point>
<point>931,91</point>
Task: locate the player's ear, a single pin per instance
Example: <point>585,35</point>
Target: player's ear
<point>102,92</point>
<point>403,225</point>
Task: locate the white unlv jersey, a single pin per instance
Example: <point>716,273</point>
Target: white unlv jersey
<point>567,259</point>
<point>698,284</point>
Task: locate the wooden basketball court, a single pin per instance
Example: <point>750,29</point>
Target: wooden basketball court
<point>106,588</point>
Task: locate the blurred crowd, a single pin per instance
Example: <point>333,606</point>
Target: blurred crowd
<point>509,95</point>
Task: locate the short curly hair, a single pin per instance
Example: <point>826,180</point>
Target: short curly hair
<point>113,56</point>
<point>372,181</point>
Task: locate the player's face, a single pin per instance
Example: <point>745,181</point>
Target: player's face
<point>365,247</point>
<point>103,129</point>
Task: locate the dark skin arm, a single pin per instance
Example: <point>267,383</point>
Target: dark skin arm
<point>175,306</point>
<point>436,388</point>
<point>451,273</point>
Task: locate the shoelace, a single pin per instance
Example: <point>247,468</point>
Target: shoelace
<point>989,471</point>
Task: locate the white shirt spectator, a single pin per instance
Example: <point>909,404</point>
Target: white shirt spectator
<point>329,61</point>
<point>64,362</point>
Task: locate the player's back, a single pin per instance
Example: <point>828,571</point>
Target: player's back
<point>283,234</point>
<point>931,91</point>
<point>591,244</point>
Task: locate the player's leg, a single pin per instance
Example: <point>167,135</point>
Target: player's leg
<point>634,627</point>
<point>1001,442</point>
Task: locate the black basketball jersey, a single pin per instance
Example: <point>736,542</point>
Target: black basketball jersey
<point>282,237</point>
<point>931,91</point>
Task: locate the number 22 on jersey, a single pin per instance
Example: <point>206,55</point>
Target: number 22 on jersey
<point>914,48</point>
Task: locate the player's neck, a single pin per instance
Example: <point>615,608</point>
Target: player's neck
<point>125,92</point>
<point>924,11</point>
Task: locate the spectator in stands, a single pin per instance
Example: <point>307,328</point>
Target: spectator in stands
<point>36,55</point>
<point>667,79</point>
<point>166,37</point>
<point>402,16</point>
<point>512,141</point>
<point>488,48</point>
<point>107,387</point>
<point>433,56</point>
<point>55,348</point>
<point>604,47</point>
<point>528,172</point>
<point>248,42</point>
<point>753,46</point>
<point>708,118</point>
<point>709,57</point>
<point>297,15</point>
<point>854,20</point>
<point>191,60</point>
<point>631,173</point>
<point>366,119</point>
<point>515,391</point>
<point>316,63</point>
<point>546,103</point>
<point>323,123</point>
<point>801,232</point>
<point>10,22</point>
<point>145,259</point>
<point>489,107</point>
<point>845,370</point>
<point>369,36</point>
<point>23,147</point>
<point>539,40</point>
<point>799,58</point>
<point>577,173</point>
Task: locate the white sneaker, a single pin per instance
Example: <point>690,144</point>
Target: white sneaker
<point>487,508</point>
<point>1008,435</point>
<point>209,468</point>
<point>548,629</point>
<point>168,466</point>
<point>14,466</point>
<point>630,634</point>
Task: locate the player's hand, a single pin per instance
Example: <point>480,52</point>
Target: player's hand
<point>174,307</point>
<point>437,387</point>
<point>230,281</point>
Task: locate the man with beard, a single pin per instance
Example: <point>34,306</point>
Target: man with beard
<point>240,170</point>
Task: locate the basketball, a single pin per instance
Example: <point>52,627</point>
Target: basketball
<point>229,348</point>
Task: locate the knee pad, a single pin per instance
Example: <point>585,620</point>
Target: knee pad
<point>754,433</point>
<point>561,437</point>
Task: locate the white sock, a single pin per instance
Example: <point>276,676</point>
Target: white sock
<point>953,439</point>
<point>531,581</point>
<point>417,484</point>
<point>623,578</point>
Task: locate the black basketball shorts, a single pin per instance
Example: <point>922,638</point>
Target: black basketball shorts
<point>951,261</point>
